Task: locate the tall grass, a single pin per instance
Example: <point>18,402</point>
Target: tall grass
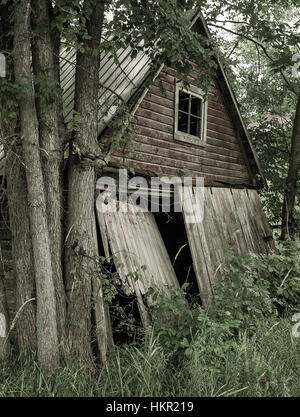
<point>265,364</point>
<point>242,346</point>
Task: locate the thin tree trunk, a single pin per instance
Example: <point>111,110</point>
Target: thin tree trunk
<point>81,248</point>
<point>288,221</point>
<point>51,143</point>
<point>45,292</point>
<point>4,323</point>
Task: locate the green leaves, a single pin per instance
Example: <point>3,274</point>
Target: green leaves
<point>261,74</point>
<point>161,30</point>
<point>75,122</point>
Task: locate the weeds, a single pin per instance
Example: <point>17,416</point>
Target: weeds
<point>265,364</point>
<point>242,346</point>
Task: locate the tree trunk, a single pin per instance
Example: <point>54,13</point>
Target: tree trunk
<point>81,248</point>
<point>288,221</point>
<point>21,249</point>
<point>51,143</point>
<point>22,260</point>
<point>46,322</point>
<point>4,323</point>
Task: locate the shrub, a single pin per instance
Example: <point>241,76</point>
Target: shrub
<point>174,321</point>
<point>243,296</point>
<point>283,271</point>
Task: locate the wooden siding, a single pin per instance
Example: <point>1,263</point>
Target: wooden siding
<point>216,219</point>
<point>134,239</point>
<point>232,218</point>
<point>156,152</point>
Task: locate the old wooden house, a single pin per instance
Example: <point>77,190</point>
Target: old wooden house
<point>178,132</point>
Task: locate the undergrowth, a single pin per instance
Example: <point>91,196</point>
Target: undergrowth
<point>243,345</point>
<point>264,364</point>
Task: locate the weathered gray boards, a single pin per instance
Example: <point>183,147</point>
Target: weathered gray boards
<point>233,218</point>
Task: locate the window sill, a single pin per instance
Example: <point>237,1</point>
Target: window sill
<point>185,137</point>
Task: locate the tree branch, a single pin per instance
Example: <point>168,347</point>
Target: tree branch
<point>263,48</point>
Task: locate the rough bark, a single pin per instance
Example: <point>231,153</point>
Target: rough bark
<point>4,323</point>
<point>51,143</point>
<point>81,248</point>
<point>288,220</point>
<point>21,249</point>
<point>22,260</point>
<point>46,323</point>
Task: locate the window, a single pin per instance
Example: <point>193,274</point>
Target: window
<point>190,115</point>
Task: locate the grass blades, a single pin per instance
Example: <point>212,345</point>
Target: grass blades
<point>267,364</point>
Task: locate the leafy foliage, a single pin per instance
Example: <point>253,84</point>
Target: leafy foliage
<point>283,271</point>
<point>174,321</point>
<point>245,296</point>
<point>160,29</point>
<point>253,289</point>
<point>257,43</point>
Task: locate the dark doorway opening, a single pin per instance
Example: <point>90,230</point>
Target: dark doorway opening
<point>172,229</point>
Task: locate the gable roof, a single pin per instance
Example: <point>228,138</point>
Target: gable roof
<point>123,77</point>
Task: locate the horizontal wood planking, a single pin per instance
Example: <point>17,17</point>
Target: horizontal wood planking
<point>166,94</point>
<point>213,138</point>
<point>211,118</point>
<point>167,151</point>
<point>208,151</point>
<point>146,122</point>
<point>156,107</point>
<point>154,120</point>
<point>156,169</point>
<point>199,168</point>
<point>213,145</point>
<point>178,155</point>
<point>219,159</point>
<point>155,115</point>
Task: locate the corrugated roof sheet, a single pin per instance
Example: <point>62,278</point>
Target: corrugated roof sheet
<point>119,78</point>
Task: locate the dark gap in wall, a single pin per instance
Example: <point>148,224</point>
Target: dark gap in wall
<point>123,309</point>
<point>172,229</point>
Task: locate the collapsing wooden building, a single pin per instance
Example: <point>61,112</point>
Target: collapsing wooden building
<point>179,132</point>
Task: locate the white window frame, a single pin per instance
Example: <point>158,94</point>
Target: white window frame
<point>183,136</point>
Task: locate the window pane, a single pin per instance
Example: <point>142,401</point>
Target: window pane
<point>182,122</point>
<point>195,124</point>
<point>196,106</point>
<point>184,101</point>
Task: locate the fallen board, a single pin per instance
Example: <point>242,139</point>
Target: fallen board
<point>233,218</point>
<point>142,259</point>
